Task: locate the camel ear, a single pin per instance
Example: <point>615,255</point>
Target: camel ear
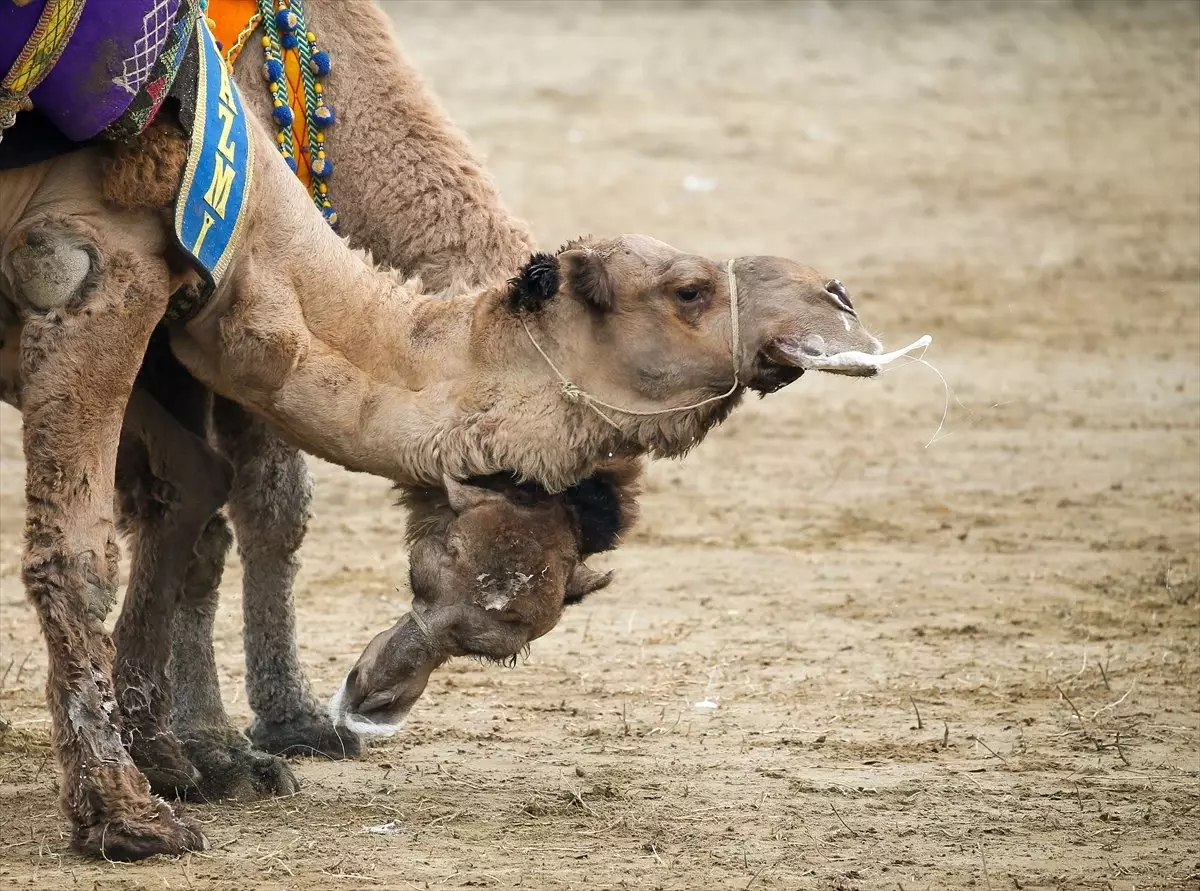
<point>587,277</point>
<point>533,287</point>
<point>463,497</point>
<point>584,581</point>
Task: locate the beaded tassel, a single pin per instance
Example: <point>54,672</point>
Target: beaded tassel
<point>276,77</point>
<point>314,65</point>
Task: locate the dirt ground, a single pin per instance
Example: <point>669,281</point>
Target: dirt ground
<point>971,663</point>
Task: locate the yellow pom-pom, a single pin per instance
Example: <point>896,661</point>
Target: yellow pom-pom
<point>320,138</point>
<point>320,154</point>
<point>266,42</point>
<point>311,36</point>
<point>319,89</point>
<point>279,137</point>
<point>324,188</point>
<point>278,101</point>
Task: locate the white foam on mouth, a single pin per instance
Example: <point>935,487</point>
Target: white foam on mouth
<point>352,722</point>
<point>853,359</point>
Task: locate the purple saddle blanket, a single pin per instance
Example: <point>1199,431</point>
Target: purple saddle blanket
<point>107,62</point>
<point>116,70</point>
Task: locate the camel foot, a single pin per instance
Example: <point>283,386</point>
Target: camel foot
<point>230,768</point>
<point>310,734</point>
<point>136,837</point>
<point>161,759</point>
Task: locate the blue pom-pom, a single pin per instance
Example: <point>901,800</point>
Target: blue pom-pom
<point>288,41</point>
<point>286,20</point>
<point>330,215</point>
<point>291,162</point>
<point>322,168</point>
<point>323,117</point>
<point>273,70</point>
<point>320,63</point>
<point>282,115</point>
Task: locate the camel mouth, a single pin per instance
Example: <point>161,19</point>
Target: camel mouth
<point>771,375</point>
<point>807,355</point>
<point>363,725</point>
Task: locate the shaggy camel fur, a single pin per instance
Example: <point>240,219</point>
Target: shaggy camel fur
<point>351,363</point>
<point>492,566</point>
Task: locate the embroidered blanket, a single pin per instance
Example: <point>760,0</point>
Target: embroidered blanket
<point>91,66</point>
<point>96,69</point>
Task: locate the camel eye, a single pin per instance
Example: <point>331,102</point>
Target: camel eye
<point>687,295</point>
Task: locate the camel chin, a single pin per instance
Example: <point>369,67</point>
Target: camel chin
<point>340,716</point>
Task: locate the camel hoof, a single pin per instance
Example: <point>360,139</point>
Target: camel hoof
<point>230,768</point>
<point>161,831</point>
<point>161,759</point>
<point>311,734</point>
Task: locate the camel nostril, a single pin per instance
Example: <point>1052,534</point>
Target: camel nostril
<point>375,702</point>
<point>350,688</point>
<point>840,294</point>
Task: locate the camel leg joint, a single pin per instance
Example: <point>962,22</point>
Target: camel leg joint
<point>49,265</point>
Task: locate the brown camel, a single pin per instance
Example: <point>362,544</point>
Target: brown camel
<point>441,220</point>
<point>491,567</point>
<point>351,363</point>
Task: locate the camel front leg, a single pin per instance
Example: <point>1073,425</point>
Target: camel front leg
<point>269,507</point>
<point>80,350</point>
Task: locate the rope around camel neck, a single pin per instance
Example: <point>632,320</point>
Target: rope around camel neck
<point>572,392</point>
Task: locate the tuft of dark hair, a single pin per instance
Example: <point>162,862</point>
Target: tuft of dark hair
<point>535,285</point>
<point>606,505</point>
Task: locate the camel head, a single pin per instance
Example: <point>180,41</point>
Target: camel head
<point>642,326</point>
<point>492,565</point>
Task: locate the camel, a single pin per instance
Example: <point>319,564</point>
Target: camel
<point>456,236</point>
<point>347,361</point>
<point>492,565</point>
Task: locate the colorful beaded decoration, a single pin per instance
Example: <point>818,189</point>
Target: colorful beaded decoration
<point>285,32</point>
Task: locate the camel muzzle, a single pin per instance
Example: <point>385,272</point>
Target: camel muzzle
<point>808,354</point>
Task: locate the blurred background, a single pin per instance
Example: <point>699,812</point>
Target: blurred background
<point>940,654</point>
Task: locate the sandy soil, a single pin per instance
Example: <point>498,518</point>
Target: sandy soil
<point>1023,183</point>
